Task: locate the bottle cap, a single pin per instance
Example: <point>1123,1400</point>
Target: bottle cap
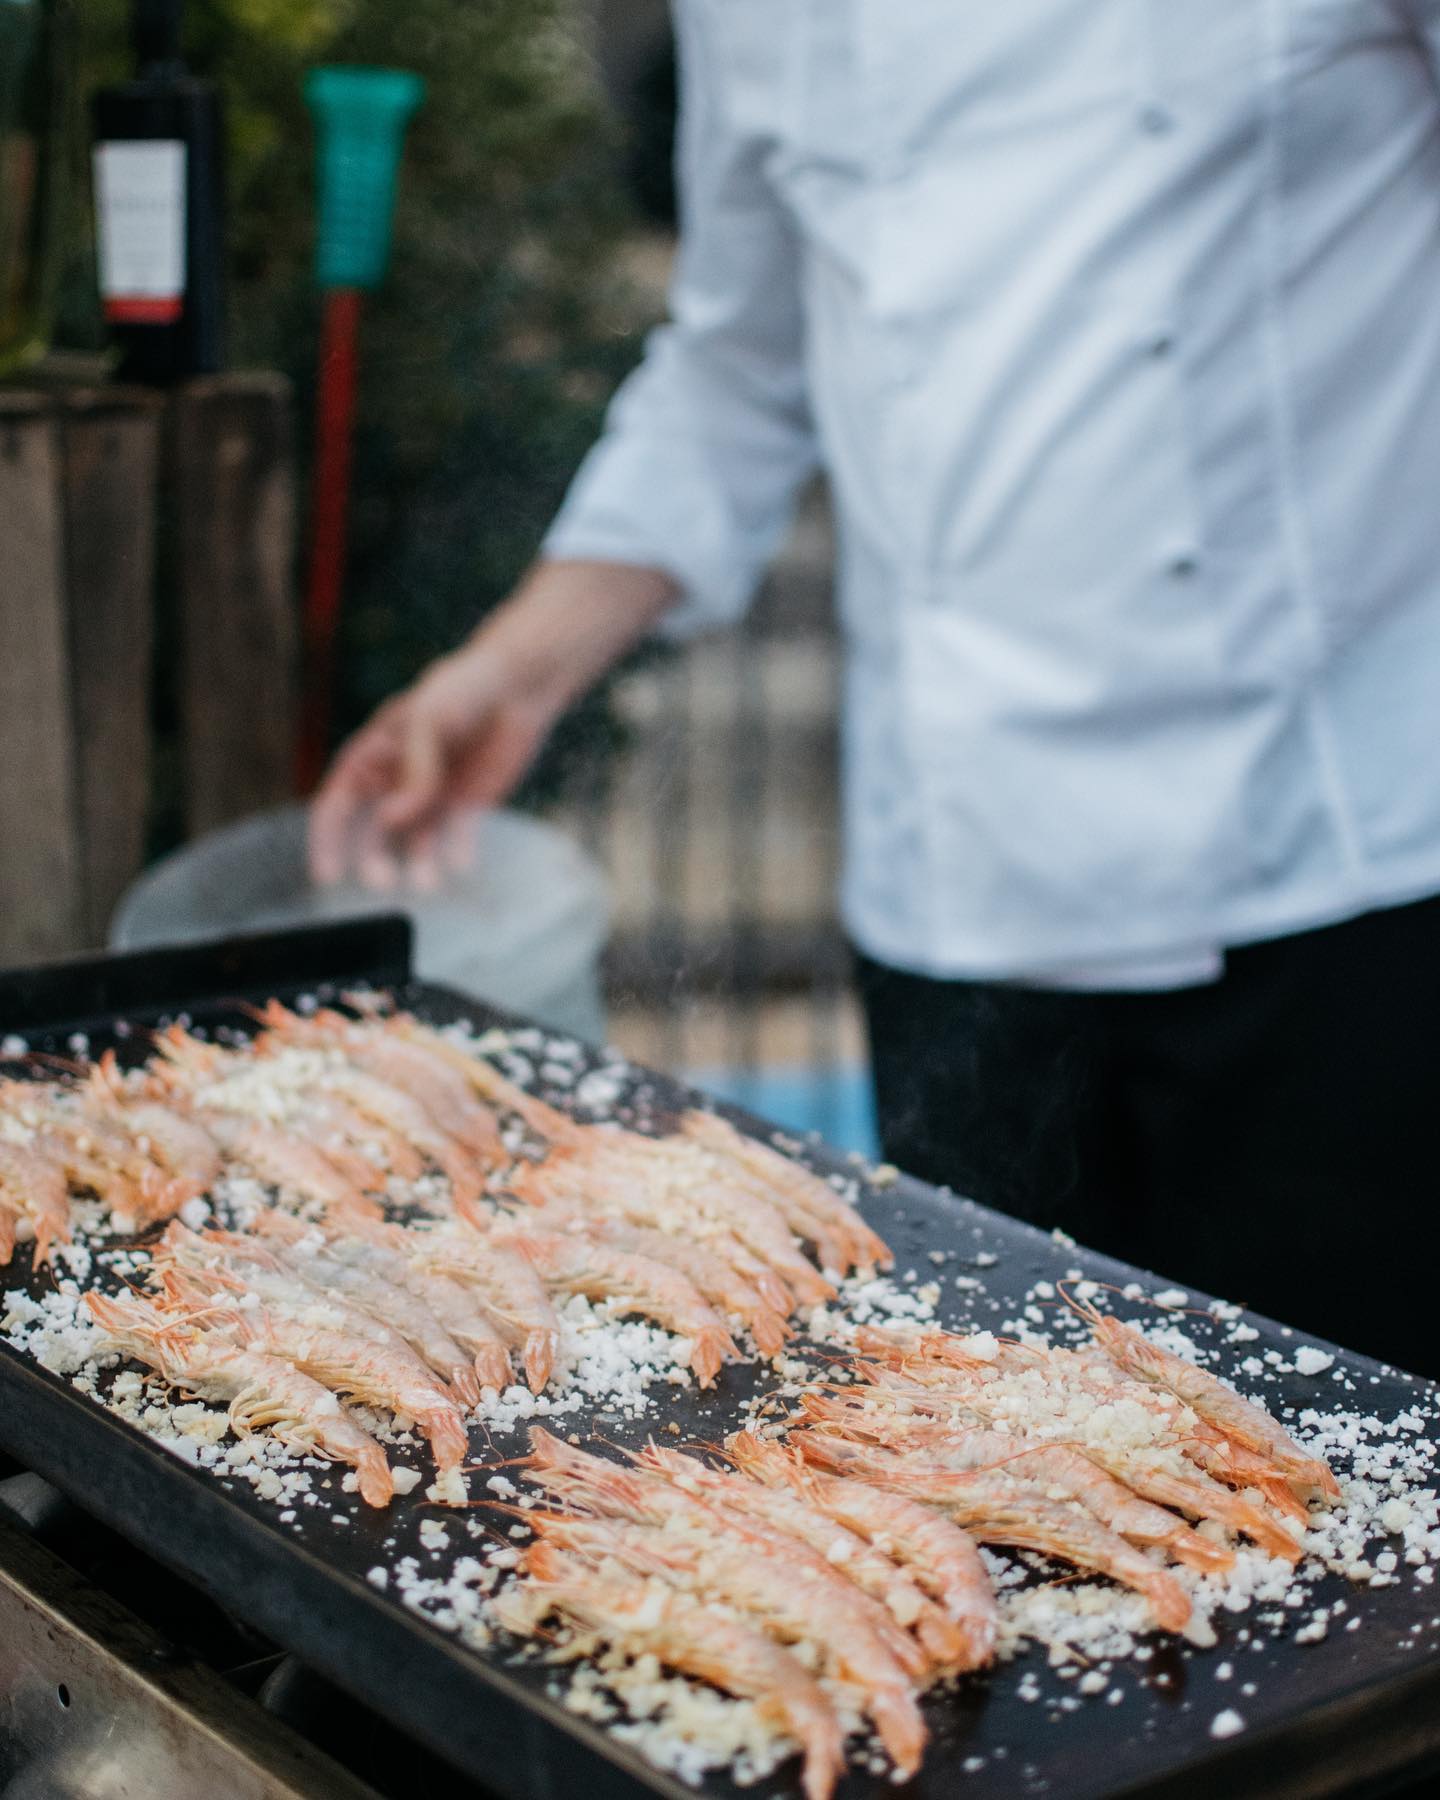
<point>361,116</point>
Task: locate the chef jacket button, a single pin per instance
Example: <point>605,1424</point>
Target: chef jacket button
<point>1183,562</point>
<point>1156,119</point>
<point>1160,341</point>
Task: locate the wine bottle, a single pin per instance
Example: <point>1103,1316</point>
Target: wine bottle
<point>36,71</point>
<point>159,207</point>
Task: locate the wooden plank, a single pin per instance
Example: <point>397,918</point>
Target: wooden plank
<point>111,443</point>
<point>232,482</point>
<point>39,850</point>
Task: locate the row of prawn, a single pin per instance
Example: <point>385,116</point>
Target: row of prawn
<point>704,1232</point>
<point>286,1318</point>
<point>844,1561</point>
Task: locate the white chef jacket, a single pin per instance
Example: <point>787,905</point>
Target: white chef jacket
<point>1116,325</point>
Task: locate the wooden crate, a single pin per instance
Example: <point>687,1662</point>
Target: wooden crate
<point>86,473</point>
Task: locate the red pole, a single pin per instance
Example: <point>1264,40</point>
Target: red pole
<point>334,445</point>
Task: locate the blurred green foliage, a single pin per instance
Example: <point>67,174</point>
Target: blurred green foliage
<point>503,325</point>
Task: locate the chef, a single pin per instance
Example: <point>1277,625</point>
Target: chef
<point>1115,327</point>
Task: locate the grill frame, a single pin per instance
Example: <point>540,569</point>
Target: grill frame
<point>1351,1716</point>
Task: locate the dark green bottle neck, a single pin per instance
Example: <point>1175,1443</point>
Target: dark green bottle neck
<point>156,34</point>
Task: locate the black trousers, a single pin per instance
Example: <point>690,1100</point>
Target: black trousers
<point>1273,1138</point>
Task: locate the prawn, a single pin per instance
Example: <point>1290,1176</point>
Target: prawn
<point>634,1284</point>
<point>630,1160</point>
<point>228,1265</point>
<point>263,1392</point>
<point>394,1304</point>
<point>648,1618</point>
<point>1060,1469</point>
<point>556,1183</point>
<point>34,1201</point>
<point>509,1288</point>
<point>409,1066</point>
<point>1001,1510</point>
<point>369,1245</point>
<point>794,1605</point>
<point>348,1364</point>
<point>939,1366</point>
<point>942,1557</point>
<point>543,1120</point>
<point>807,1195</point>
<point>283,1160</point>
<point>1147,1474</point>
<point>646,1497</point>
<point>400,1113</point>
<point>1238,1419</point>
<point>867,1566</point>
<point>717,1280</point>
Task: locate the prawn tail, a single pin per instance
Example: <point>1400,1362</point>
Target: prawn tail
<point>1168,1601</point>
<point>541,1349</point>
<point>377,1485</point>
<point>709,1348</point>
<point>446,1435</point>
<point>1198,1552</point>
<point>770,1332</point>
<point>492,1368</point>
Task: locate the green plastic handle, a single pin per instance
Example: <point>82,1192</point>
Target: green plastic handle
<point>360,116</point>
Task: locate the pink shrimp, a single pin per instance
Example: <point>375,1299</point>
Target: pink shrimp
<point>634,1284</point>
<point>510,1290</point>
<point>394,1303</point>
<point>1060,1469</point>
<point>564,1184</point>
<point>545,1121</point>
<point>645,1617</point>
<point>283,1160</point>
<point>91,1152</point>
<point>807,1201</point>
<point>867,1566</point>
<point>224,1266</point>
<point>409,1066</point>
<point>227,1265</point>
<point>357,1147</point>
<point>1238,1419</point>
<point>718,1280</point>
<point>794,1605</point>
<point>263,1392</point>
<point>398,1112</point>
<point>167,1132</point>
<point>943,1378</point>
<point>388,1251</point>
<point>186,1061</point>
<point>942,1557</point>
<point>348,1364</point>
<point>34,1199</point>
<point>647,1496</point>
<point>1001,1510</point>
<point>1145,1473</point>
<point>630,1161</point>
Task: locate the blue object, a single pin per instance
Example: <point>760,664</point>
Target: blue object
<point>838,1103</point>
<point>361,115</point>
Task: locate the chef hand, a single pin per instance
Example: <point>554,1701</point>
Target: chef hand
<point>399,792</point>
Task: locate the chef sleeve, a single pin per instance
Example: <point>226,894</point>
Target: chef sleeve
<point>707,442</point>
<point>1425,16</point>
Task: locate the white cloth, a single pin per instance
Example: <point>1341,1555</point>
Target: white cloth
<point>1116,324</point>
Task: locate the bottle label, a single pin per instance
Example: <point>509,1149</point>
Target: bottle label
<point>140,206</point>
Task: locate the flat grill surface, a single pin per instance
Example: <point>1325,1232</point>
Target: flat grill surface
<point>1347,1711</point>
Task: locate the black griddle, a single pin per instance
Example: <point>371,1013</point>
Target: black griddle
<point>1354,1713</point>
